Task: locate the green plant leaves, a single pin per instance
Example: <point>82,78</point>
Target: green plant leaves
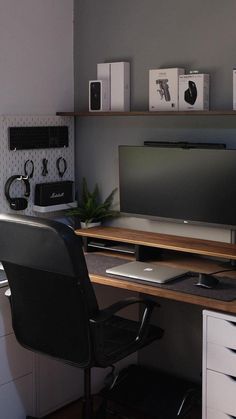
<point>90,209</point>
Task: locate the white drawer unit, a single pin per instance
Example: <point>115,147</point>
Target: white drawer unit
<point>15,360</point>
<point>57,384</point>
<point>17,398</point>
<point>219,366</point>
<point>31,384</point>
<point>17,390</point>
<point>214,414</point>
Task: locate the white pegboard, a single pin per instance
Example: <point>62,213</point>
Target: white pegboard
<point>12,162</point>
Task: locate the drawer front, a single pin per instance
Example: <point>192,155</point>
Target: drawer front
<point>221,332</point>
<point>15,360</point>
<point>17,398</point>
<point>213,414</point>
<point>65,380</point>
<point>5,313</point>
<point>221,391</point>
<point>221,359</point>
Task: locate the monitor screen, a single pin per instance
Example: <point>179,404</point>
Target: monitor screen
<point>186,185</point>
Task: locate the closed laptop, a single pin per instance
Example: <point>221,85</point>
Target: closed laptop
<point>147,272</point>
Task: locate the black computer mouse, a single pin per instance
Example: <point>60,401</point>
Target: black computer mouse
<point>190,95</point>
<point>207,281</point>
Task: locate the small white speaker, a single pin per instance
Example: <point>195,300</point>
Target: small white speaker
<point>99,97</point>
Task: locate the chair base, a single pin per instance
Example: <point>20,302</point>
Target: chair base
<point>145,393</point>
<point>87,410</point>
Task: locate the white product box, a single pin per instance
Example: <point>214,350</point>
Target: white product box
<point>98,96</point>
<point>234,89</point>
<point>120,86</point>
<point>104,73</point>
<point>118,76</point>
<point>164,89</point>
<point>194,92</point>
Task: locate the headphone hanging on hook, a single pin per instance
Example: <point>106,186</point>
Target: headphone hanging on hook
<point>61,162</point>
<point>18,203</point>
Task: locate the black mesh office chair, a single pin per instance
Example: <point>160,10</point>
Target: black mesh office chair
<point>54,308</point>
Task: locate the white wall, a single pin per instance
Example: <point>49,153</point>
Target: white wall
<point>36,53</point>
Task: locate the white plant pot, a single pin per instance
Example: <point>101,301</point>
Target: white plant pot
<point>89,225</point>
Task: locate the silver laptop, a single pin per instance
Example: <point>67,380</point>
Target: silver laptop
<point>147,272</point>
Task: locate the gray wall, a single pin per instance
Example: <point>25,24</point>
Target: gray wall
<point>151,34</point>
<point>36,49</point>
<point>194,35</point>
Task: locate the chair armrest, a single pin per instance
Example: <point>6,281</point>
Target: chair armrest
<point>108,312</point>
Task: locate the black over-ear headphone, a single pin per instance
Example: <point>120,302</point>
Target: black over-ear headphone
<point>17,204</point>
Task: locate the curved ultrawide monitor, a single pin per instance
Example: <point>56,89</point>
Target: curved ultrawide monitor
<point>185,185</point>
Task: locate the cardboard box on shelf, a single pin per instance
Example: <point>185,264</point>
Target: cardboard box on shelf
<point>194,92</point>
<point>164,89</point>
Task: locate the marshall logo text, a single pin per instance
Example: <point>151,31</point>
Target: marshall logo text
<point>57,195</point>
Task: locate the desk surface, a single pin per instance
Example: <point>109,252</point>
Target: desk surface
<point>162,292</point>
<point>189,253</point>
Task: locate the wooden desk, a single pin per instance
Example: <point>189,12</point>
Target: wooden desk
<point>195,255</point>
<point>187,256</point>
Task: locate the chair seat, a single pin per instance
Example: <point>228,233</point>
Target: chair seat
<point>119,340</point>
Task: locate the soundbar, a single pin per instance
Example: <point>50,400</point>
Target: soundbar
<point>24,138</point>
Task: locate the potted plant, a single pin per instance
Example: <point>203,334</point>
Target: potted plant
<point>90,210</point>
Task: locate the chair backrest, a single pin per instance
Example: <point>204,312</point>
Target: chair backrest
<point>52,298</point>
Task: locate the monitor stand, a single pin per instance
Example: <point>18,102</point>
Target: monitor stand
<point>232,241</point>
<point>231,263</point>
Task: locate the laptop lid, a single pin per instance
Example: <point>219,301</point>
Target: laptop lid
<point>147,272</point>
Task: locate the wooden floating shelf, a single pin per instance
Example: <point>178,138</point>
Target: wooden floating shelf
<point>147,113</point>
<point>53,208</point>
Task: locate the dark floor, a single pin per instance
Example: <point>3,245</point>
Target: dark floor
<point>74,411</point>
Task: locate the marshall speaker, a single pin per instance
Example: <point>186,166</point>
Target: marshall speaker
<point>53,193</point>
